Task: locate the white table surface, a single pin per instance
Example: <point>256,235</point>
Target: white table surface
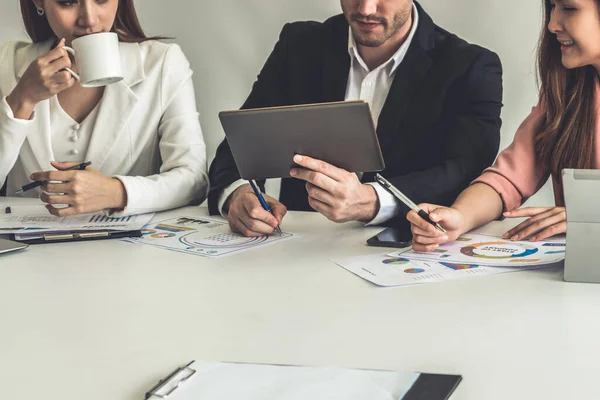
<point>108,319</point>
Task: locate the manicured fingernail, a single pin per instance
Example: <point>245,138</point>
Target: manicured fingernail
<point>505,235</point>
<point>293,172</point>
<point>298,158</point>
<point>434,216</point>
<point>444,237</point>
<point>515,237</point>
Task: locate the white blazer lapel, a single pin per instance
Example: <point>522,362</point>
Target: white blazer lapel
<point>116,107</point>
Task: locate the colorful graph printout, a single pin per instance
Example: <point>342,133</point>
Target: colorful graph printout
<point>481,249</point>
<point>200,236</point>
<point>375,269</point>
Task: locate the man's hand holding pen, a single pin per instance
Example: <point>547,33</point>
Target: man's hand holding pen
<point>247,216</point>
<point>83,191</point>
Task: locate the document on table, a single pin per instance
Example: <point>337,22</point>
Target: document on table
<point>30,219</point>
<point>395,270</point>
<point>200,236</point>
<point>473,248</point>
<point>226,381</point>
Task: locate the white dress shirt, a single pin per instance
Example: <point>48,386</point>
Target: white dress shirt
<point>372,87</point>
<point>144,131</point>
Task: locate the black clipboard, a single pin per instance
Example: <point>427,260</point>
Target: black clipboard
<point>79,236</point>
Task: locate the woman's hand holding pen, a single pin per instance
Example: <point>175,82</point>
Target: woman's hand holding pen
<point>247,216</point>
<point>426,237</point>
<point>543,223</point>
<point>83,191</point>
<point>44,78</point>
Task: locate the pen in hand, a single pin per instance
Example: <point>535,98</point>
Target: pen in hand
<point>263,202</point>
<point>409,203</point>
<point>35,184</point>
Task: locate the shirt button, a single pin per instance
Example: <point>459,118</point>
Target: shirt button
<point>74,152</point>
<point>76,127</point>
<point>74,138</point>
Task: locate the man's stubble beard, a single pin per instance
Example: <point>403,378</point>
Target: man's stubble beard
<point>400,19</point>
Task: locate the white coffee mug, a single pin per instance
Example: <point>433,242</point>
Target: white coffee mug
<point>98,59</point>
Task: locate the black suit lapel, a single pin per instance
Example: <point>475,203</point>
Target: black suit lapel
<point>409,79</point>
<point>336,63</point>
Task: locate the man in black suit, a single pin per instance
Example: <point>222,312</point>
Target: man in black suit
<point>435,99</point>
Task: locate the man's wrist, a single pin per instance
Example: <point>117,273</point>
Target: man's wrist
<point>233,195</point>
<point>371,203</point>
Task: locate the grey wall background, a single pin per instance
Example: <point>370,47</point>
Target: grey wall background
<point>227,42</point>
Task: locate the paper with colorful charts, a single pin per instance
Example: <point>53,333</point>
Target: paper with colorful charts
<point>200,236</point>
<point>385,270</point>
<point>473,248</point>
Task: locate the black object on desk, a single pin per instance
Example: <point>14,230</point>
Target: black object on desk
<point>64,237</point>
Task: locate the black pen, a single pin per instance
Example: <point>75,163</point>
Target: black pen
<point>35,184</point>
<point>409,203</point>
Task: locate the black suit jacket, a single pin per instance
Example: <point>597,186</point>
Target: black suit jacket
<point>439,127</point>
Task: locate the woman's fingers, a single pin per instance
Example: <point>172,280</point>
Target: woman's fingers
<point>531,228</point>
<point>553,230</point>
<point>518,231</point>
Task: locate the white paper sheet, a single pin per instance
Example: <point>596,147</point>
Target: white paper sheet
<point>473,248</point>
<point>224,381</point>
<point>386,270</point>
<point>200,236</point>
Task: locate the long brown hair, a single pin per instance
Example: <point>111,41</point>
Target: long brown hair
<point>127,25</point>
<point>567,135</point>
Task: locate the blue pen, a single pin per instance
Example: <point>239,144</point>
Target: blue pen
<point>263,203</point>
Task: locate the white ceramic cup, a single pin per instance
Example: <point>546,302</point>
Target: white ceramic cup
<point>98,59</point>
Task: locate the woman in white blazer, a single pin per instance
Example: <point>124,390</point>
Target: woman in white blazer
<point>141,134</point>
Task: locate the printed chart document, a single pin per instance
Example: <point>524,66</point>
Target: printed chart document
<point>472,248</point>
<point>200,236</point>
<point>24,222</point>
<point>386,270</point>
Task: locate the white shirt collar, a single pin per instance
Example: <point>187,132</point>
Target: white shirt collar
<point>397,58</point>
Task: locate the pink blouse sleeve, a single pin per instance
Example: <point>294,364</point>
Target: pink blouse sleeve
<point>518,173</point>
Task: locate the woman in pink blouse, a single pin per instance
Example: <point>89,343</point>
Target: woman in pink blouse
<point>562,131</point>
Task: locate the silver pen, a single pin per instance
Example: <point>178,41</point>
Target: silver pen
<point>409,203</point>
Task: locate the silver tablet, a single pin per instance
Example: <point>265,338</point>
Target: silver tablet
<point>8,246</point>
<point>264,141</point>
<point>582,194</point>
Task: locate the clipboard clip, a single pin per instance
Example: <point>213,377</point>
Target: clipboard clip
<point>171,380</point>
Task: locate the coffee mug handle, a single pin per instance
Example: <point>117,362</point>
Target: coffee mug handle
<point>70,50</point>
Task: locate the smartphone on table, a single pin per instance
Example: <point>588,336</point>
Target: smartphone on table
<point>391,237</point>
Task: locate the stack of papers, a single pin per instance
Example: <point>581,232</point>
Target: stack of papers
<point>27,222</point>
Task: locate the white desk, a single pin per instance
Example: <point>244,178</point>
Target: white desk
<point>107,319</point>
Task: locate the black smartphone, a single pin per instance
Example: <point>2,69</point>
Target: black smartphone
<point>391,237</point>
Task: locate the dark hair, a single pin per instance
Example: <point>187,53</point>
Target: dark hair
<point>567,135</point>
<point>126,26</point>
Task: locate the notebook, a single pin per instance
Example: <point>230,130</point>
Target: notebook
<point>226,381</point>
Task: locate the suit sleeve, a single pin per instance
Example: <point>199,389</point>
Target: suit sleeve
<point>471,137</point>
<point>182,179</point>
<point>269,90</point>
<point>13,131</point>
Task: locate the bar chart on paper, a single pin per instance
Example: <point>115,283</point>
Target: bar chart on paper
<point>99,219</point>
